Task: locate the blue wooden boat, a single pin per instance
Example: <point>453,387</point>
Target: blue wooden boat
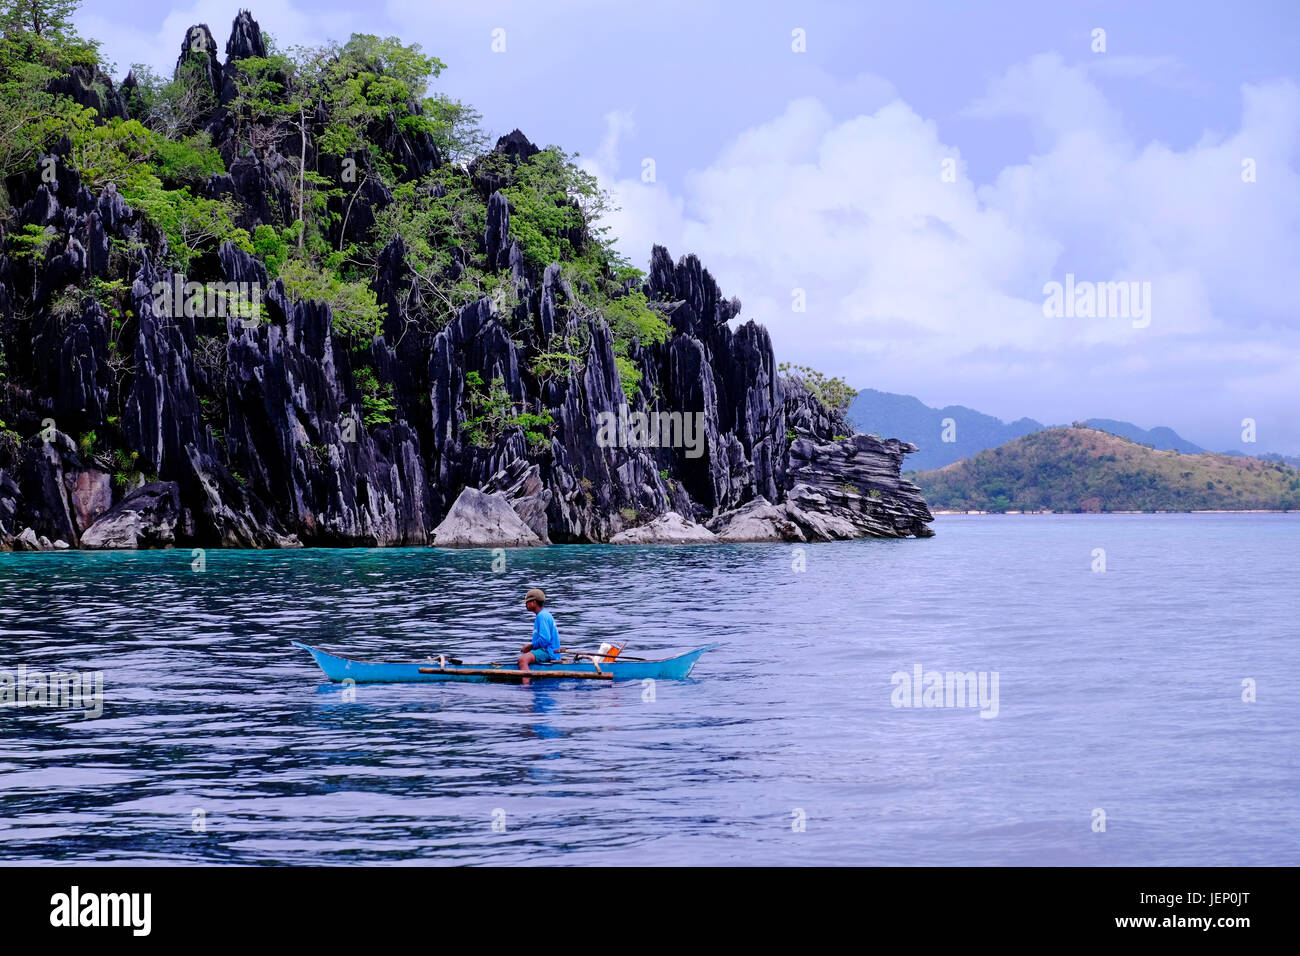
<point>443,669</point>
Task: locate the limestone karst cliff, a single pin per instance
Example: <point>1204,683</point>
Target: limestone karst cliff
<point>127,425</point>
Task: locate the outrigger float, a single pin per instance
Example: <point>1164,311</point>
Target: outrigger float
<point>573,666</point>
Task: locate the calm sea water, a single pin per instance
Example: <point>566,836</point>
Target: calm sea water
<point>1118,692</point>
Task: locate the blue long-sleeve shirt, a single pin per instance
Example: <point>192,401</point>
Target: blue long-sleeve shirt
<point>545,634</point>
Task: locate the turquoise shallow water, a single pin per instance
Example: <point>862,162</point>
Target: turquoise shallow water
<point>1118,691</point>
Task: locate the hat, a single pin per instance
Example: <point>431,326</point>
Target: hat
<point>536,594</point>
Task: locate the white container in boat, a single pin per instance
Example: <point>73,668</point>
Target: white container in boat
<point>607,652</point>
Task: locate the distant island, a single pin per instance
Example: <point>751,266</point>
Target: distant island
<point>949,434</point>
<point>1083,469</point>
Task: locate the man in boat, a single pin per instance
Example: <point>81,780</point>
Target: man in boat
<point>545,646</point>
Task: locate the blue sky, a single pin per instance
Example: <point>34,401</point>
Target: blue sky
<point>817,176</point>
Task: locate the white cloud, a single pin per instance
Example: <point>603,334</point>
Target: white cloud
<point>619,124</point>
<point>935,288</point>
<point>1059,98</point>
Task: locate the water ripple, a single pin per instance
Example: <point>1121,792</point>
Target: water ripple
<point>220,743</point>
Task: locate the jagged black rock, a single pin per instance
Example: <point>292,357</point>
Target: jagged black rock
<point>287,471</point>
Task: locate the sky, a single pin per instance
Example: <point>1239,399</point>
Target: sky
<point>891,189</point>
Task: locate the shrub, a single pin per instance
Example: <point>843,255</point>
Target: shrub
<point>629,375</point>
<point>357,312</point>
<point>492,414</point>
<point>551,203</point>
<point>835,394</point>
<point>538,440</point>
<point>630,317</point>
<point>376,399</point>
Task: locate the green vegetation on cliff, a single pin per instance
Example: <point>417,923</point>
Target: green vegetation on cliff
<point>1082,469</point>
<point>362,152</point>
<point>323,108</point>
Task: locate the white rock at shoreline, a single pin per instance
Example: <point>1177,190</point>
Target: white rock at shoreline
<point>758,520</point>
<point>668,528</point>
<point>479,520</point>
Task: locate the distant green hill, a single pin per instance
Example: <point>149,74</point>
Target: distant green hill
<point>1083,469</point>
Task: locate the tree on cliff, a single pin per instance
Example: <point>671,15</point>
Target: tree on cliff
<point>173,107</point>
<point>42,31</point>
<point>31,118</point>
<point>458,128</point>
<point>37,43</point>
<point>48,19</point>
